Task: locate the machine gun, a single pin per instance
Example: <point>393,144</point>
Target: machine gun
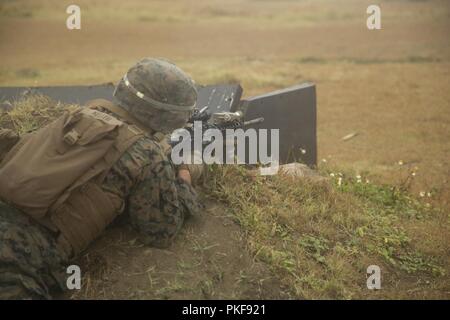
<point>219,120</point>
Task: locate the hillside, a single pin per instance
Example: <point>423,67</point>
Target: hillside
<point>272,237</point>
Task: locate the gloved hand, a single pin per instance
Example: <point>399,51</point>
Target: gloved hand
<point>185,175</point>
<point>196,171</point>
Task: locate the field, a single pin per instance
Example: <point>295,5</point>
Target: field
<point>389,86</point>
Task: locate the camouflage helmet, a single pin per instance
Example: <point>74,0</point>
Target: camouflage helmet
<point>157,93</point>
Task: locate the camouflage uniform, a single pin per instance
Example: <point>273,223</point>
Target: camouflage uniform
<point>30,264</point>
<point>157,203</point>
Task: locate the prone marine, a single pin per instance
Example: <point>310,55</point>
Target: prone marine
<point>63,184</point>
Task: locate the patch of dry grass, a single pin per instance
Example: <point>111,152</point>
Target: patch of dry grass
<point>31,112</point>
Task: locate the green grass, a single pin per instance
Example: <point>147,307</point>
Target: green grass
<point>319,237</point>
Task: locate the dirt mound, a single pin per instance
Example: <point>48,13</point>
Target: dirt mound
<point>207,261</point>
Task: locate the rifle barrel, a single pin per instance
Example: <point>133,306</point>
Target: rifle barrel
<point>254,121</point>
